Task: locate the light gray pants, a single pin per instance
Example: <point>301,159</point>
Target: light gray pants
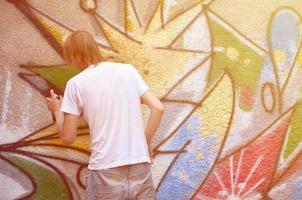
<point>129,182</point>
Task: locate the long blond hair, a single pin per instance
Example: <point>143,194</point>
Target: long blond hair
<point>81,50</point>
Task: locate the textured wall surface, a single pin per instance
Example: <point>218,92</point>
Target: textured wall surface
<point>228,71</point>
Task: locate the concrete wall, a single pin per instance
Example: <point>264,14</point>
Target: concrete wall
<point>228,71</point>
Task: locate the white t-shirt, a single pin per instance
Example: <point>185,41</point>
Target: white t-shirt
<point>108,95</point>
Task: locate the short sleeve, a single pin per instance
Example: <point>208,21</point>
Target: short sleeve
<point>72,100</point>
<point>141,85</point>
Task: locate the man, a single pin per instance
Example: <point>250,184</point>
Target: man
<point>108,95</point>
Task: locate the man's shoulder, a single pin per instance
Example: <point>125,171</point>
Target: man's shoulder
<point>122,66</point>
<point>77,77</point>
<point>85,74</point>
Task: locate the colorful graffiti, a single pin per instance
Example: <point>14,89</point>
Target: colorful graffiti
<point>228,72</point>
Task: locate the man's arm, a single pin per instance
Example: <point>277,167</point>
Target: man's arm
<point>67,124</point>
<point>157,110</point>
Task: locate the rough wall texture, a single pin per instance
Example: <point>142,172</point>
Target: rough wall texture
<point>228,71</point>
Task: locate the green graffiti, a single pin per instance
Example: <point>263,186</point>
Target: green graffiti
<point>243,63</point>
<point>58,76</point>
<point>49,184</point>
<point>294,134</point>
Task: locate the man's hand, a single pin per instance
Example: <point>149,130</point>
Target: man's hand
<point>54,102</point>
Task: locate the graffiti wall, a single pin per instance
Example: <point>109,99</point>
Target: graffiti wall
<point>228,71</point>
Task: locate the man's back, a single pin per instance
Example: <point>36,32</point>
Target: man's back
<point>109,95</point>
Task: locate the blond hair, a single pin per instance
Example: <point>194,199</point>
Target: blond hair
<point>81,50</point>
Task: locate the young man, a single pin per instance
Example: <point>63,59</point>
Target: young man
<point>108,95</point>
